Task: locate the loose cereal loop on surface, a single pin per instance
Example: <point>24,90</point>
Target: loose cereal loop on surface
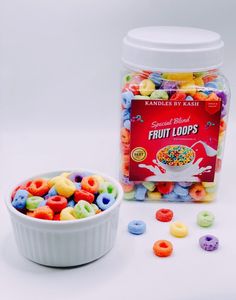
<point>162,248</point>
<point>178,229</point>
<point>164,215</point>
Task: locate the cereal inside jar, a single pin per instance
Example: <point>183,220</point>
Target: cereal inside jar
<point>174,107</point>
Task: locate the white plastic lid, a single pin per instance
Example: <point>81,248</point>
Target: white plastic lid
<point>172,49</point>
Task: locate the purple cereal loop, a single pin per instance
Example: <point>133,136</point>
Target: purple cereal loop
<point>78,176</point>
<point>222,96</point>
<point>209,242</point>
<point>169,86</point>
<point>223,111</point>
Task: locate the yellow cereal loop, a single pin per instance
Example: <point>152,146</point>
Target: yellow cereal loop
<point>198,81</point>
<point>146,87</point>
<point>179,76</point>
<point>208,184</point>
<point>178,229</point>
<point>66,214</point>
<point>99,178</point>
<point>221,138</point>
<point>65,187</point>
<point>209,197</point>
<point>52,181</point>
<point>188,88</point>
<point>154,195</point>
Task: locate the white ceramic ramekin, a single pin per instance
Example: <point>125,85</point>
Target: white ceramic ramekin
<point>66,243</point>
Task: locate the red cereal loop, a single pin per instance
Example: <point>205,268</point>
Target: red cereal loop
<point>56,217</point>
<point>57,203</point>
<point>90,184</point>
<point>83,195</point>
<point>162,248</point>
<point>218,164</point>
<point>26,185</point>
<point>125,135</point>
<point>38,187</point>
<point>44,212</point>
<point>165,187</point>
<point>178,96</point>
<point>164,215</point>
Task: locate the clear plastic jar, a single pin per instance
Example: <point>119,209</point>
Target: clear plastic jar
<point>174,107</point>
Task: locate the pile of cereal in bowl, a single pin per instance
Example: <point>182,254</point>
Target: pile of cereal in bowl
<point>68,196</point>
<point>176,155</point>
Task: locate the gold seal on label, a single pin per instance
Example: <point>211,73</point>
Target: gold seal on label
<point>138,154</point>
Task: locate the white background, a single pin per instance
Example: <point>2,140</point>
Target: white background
<point>59,108</point>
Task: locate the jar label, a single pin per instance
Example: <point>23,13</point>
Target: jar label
<point>174,140</point>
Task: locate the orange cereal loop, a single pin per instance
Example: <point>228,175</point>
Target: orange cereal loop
<point>44,212</point>
<point>197,192</point>
<point>213,97</point>
<point>199,96</point>
<point>30,214</point>
<point>38,187</point>
<point>128,187</point>
<point>126,158</point>
<point>222,125</point>
<point>125,169</point>
<point>125,135</point>
<point>98,211</point>
<point>90,184</point>
<point>125,148</point>
<point>162,248</point>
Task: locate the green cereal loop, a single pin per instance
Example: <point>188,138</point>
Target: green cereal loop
<point>219,150</point>
<point>108,187</point>
<point>205,218</point>
<point>150,186</point>
<point>159,94</point>
<point>127,78</point>
<point>140,97</point>
<point>129,195</point>
<point>83,209</point>
<point>33,202</point>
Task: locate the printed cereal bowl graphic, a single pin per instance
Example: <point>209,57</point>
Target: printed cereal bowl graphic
<point>175,158</point>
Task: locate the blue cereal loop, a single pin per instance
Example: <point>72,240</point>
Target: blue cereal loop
<point>43,203</point>
<point>71,203</point>
<point>211,85</point>
<point>52,192</point>
<point>127,124</point>
<point>77,185</point>
<point>180,191</point>
<point>156,78</point>
<point>105,200</point>
<point>19,201</point>
<point>126,99</point>
<point>185,198</point>
<point>125,115</point>
<point>185,184</point>
<point>171,196</point>
<point>189,98</point>
<point>136,227</point>
<point>140,192</point>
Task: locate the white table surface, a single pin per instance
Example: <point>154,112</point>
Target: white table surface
<point>129,270</point>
